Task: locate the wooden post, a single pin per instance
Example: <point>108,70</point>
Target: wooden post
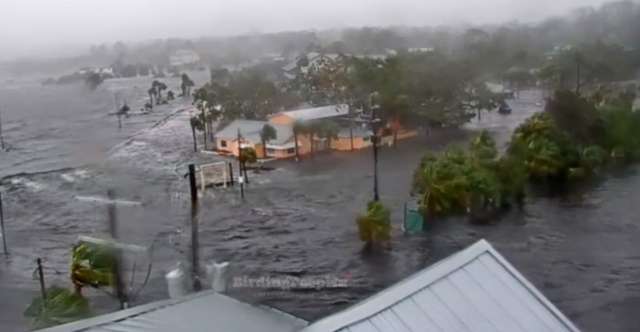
<point>194,228</point>
<point>204,128</point>
<point>231,174</point>
<point>43,288</point>
<point>203,183</point>
<point>224,174</point>
<point>240,179</point>
<point>118,286</point>
<point>4,235</point>
<point>1,138</point>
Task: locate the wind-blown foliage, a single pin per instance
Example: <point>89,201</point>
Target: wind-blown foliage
<point>375,225</point>
<point>91,266</point>
<point>61,306</point>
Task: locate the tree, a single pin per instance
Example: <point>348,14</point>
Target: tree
<point>158,87</point>
<point>195,124</point>
<point>247,156</point>
<point>267,133</point>
<point>94,80</point>
<point>374,226</point>
<point>186,85</point>
<point>329,131</point>
<point>152,92</point>
<point>61,306</point>
<point>298,129</point>
<point>91,266</point>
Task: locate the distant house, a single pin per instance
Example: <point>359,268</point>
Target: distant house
<point>420,49</point>
<point>291,69</point>
<point>557,51</point>
<point>184,57</point>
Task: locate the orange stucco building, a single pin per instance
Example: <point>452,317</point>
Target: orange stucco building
<point>284,145</point>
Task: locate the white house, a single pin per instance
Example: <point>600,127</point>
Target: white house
<point>183,57</point>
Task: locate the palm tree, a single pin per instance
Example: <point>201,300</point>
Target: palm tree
<point>151,92</point>
<point>267,133</point>
<point>91,265</point>
<point>247,155</point>
<point>311,129</point>
<point>375,225</point>
<point>329,132</point>
<point>298,129</point>
<point>195,124</point>
<point>60,306</point>
<point>396,111</point>
<point>160,87</point>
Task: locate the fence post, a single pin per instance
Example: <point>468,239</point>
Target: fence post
<point>43,288</point>
<point>231,174</point>
<point>4,235</point>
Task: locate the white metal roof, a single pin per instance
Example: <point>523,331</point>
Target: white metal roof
<point>473,290</point>
<point>318,112</point>
<point>200,312</point>
<point>250,130</point>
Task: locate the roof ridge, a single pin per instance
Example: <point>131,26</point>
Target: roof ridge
<point>401,290</point>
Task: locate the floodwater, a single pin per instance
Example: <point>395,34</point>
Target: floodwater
<point>579,248</point>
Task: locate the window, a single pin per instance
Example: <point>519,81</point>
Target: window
<point>223,144</point>
<point>291,151</point>
<point>271,151</point>
<point>365,139</point>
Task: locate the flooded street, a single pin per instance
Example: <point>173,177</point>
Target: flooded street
<point>580,249</point>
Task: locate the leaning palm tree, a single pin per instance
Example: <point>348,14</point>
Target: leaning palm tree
<point>247,155</point>
<point>91,266</point>
<point>374,226</point>
<point>267,133</point>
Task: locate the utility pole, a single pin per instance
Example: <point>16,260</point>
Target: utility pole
<point>117,263</point>
<point>115,96</point>
<point>204,128</point>
<point>194,229</point>
<point>240,168</point>
<point>4,235</point>
<point>1,138</point>
<point>111,202</point>
<point>375,125</point>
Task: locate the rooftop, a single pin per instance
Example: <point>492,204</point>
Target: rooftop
<point>250,130</point>
<point>200,312</point>
<point>318,112</point>
<point>475,290</point>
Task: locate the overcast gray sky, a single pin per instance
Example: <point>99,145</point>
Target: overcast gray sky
<point>30,25</point>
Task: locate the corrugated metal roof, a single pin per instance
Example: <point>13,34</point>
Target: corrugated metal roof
<point>475,290</point>
<point>201,312</point>
<point>318,112</point>
<point>250,130</point>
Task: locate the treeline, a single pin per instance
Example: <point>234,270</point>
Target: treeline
<point>509,44</point>
<point>574,137</point>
